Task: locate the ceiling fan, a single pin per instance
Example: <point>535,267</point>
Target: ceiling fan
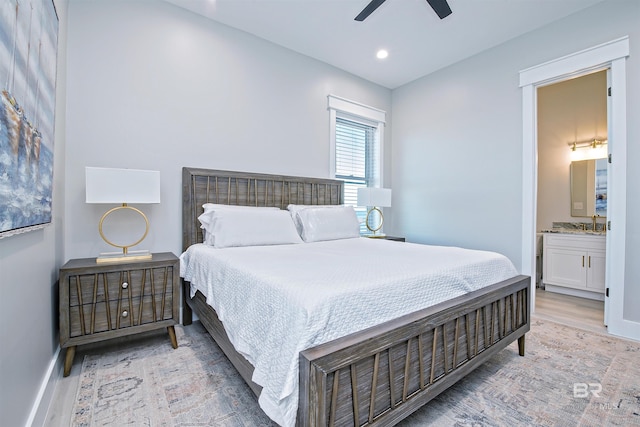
<point>440,7</point>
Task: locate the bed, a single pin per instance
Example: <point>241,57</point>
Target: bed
<point>380,374</point>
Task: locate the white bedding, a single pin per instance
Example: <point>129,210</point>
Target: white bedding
<point>275,301</point>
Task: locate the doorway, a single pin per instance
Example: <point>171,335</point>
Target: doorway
<point>612,54</point>
<point>571,135</point>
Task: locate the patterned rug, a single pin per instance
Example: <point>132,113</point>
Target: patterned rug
<point>569,377</point>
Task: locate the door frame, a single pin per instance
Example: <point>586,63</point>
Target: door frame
<point>611,55</point>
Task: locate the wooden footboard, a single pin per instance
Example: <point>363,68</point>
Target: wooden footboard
<point>381,375</point>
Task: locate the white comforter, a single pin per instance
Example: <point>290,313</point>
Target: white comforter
<point>278,300</point>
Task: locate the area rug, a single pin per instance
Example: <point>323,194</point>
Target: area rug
<point>568,377</point>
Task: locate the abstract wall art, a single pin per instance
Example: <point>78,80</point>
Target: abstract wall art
<point>28,51</point>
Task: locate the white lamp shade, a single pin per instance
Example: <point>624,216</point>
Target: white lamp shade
<point>370,196</point>
<point>110,185</point>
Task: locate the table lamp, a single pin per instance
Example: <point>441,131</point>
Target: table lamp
<point>122,186</point>
<point>375,198</point>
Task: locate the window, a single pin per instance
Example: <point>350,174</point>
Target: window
<point>356,147</point>
<point>355,155</point>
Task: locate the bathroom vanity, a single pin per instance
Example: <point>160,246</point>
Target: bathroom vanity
<point>574,263</point>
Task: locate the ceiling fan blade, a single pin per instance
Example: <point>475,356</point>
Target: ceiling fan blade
<point>369,9</point>
<point>440,7</point>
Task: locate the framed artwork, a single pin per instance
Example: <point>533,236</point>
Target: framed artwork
<point>28,51</point>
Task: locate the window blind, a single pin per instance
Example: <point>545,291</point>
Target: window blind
<point>356,161</point>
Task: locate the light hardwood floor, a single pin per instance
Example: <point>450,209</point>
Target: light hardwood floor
<point>569,310</point>
<point>573,311</point>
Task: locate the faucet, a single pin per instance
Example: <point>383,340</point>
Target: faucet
<point>593,227</point>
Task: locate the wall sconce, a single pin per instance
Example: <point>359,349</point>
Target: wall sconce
<point>376,198</point>
<point>586,150</point>
<point>122,186</point>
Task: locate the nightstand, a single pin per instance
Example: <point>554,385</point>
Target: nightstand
<point>385,237</point>
<point>110,300</point>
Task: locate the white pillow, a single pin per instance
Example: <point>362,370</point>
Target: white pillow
<point>327,222</point>
<point>294,209</point>
<point>253,227</point>
<point>209,208</point>
<point>206,219</point>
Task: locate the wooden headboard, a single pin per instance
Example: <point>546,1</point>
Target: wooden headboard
<point>200,186</point>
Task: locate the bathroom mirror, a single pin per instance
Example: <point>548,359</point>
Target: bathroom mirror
<point>589,188</point>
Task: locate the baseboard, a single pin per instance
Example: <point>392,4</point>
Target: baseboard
<point>625,329</point>
<point>40,408</point>
<point>574,292</point>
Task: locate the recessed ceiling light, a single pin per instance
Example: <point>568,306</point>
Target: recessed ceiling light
<point>382,54</point>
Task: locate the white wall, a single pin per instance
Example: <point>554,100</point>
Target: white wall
<point>28,275</point>
<point>457,140</point>
<point>456,150</point>
<point>153,86</point>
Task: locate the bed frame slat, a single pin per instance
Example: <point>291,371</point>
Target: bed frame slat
<point>407,366</point>
<point>433,356</point>
<point>334,398</point>
<point>354,395</point>
<point>421,362</point>
<point>374,385</point>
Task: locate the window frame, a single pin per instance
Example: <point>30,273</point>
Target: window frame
<point>360,113</point>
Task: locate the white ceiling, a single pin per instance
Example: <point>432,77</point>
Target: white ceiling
<point>417,40</point>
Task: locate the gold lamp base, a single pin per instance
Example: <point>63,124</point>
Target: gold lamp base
<point>122,257</point>
<point>125,255</point>
<point>376,229</point>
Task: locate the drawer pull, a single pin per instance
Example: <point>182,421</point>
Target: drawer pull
<point>125,313</point>
<point>125,285</point>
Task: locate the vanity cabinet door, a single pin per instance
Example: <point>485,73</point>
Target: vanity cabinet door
<point>595,271</point>
<point>565,267</point>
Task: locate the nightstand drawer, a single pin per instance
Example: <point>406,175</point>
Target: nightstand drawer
<point>105,316</point>
<point>114,285</point>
